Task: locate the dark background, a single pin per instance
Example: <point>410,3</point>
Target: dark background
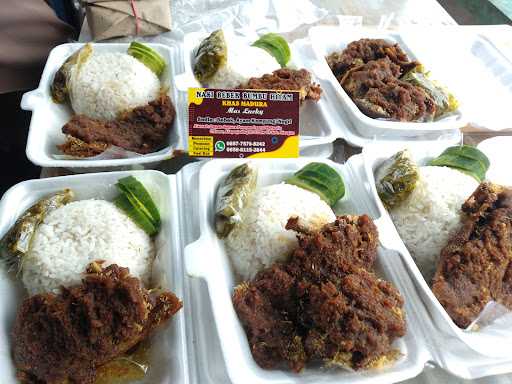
<point>14,162</point>
<point>15,122</point>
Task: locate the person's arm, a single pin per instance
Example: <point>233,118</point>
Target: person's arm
<point>29,29</point>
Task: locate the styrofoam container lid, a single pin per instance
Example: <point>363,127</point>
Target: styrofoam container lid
<point>48,117</point>
<point>497,150</point>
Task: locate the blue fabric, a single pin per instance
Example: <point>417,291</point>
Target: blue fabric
<point>64,10</point>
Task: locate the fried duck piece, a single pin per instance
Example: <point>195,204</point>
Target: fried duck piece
<point>289,80</point>
<point>476,265</point>
<point>142,130</point>
<point>322,305</point>
<point>350,241</point>
<point>374,74</point>
<point>398,100</point>
<point>267,312</point>
<point>364,50</point>
<point>378,93</point>
<point>354,322</point>
<point>64,338</point>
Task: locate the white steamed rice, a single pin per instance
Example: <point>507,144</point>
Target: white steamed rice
<point>244,62</point>
<point>261,239</point>
<point>81,232</point>
<point>110,83</point>
<point>431,214</point>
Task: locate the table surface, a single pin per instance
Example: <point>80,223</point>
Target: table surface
<point>382,13</point>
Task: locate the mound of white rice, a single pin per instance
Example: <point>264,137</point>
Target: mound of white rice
<point>261,239</point>
<point>243,63</point>
<point>81,232</point>
<point>431,214</point>
<point>110,83</point>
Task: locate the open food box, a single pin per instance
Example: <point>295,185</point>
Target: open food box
<point>487,341</point>
<point>459,58</point>
<point>48,117</point>
<point>168,346</point>
<point>314,128</point>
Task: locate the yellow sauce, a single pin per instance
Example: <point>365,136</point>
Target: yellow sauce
<point>126,368</point>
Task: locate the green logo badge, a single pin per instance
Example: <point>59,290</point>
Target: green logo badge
<point>220,146</point>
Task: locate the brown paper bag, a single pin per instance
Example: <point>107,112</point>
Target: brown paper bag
<point>115,18</point>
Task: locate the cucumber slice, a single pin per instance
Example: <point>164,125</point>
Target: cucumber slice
<point>321,179</point>
<point>275,45</point>
<point>126,205</point>
<point>137,193</point>
<point>137,47</point>
<point>147,56</point>
<point>154,55</point>
<point>477,177</point>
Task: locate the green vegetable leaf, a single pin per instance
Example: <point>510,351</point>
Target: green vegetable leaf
<point>275,45</point>
<point>321,179</point>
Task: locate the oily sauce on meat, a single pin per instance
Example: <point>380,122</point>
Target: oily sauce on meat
<point>125,369</point>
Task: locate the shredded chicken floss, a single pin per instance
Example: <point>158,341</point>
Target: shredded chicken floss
<point>64,338</point>
<point>324,304</point>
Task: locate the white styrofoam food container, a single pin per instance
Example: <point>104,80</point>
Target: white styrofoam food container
<point>207,258</point>
<point>466,62</point>
<point>486,343</point>
<point>169,363</point>
<point>314,129</point>
<point>326,40</point>
<point>48,117</point>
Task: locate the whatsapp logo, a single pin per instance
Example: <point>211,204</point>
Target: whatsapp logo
<point>220,146</point>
